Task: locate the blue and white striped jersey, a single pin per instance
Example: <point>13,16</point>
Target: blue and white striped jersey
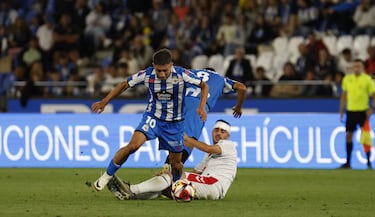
<point>166,98</point>
<point>218,85</point>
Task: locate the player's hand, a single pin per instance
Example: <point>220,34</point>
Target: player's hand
<point>98,107</point>
<point>237,112</point>
<point>342,117</point>
<point>202,113</point>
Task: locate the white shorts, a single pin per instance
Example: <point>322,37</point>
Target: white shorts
<point>207,187</point>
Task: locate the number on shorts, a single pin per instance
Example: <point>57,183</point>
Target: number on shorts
<point>151,122</point>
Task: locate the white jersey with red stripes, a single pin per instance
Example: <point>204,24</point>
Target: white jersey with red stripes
<point>217,172</point>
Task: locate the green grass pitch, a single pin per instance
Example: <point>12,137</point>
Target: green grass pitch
<point>255,192</point>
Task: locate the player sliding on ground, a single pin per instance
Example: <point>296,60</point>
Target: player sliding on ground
<point>211,178</point>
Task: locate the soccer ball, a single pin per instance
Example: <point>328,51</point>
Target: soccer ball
<point>183,191</point>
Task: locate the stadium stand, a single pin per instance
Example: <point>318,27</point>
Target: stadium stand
<point>193,36</point>
<point>360,44</point>
<point>199,62</point>
<point>216,62</point>
<point>331,42</point>
<point>292,49</point>
<point>265,60</point>
<point>344,41</point>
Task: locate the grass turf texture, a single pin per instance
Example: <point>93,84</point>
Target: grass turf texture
<point>255,192</point>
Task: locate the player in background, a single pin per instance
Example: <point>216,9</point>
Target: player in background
<point>219,85</point>
<point>211,178</point>
<point>164,116</point>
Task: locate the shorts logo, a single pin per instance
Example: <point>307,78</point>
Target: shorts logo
<point>175,143</point>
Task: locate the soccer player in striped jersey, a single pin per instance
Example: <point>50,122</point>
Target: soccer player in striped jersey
<point>164,116</point>
<point>219,85</point>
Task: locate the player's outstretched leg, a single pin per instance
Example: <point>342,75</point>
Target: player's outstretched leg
<point>114,189</point>
<point>120,157</point>
<point>103,180</point>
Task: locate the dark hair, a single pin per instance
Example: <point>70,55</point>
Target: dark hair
<point>210,69</point>
<point>311,32</point>
<point>359,60</point>
<point>162,57</point>
<point>260,68</point>
<point>221,120</point>
<point>346,51</point>
<point>123,65</point>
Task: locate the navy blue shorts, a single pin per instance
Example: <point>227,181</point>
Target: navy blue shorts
<point>170,134</point>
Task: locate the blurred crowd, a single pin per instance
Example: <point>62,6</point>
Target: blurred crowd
<point>53,40</point>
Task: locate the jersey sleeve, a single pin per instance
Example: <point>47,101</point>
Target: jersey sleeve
<point>137,79</point>
<point>222,146</point>
<point>200,167</point>
<point>191,78</point>
<point>228,86</point>
<point>226,146</point>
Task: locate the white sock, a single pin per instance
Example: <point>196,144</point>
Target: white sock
<point>155,184</point>
<point>105,178</point>
<point>106,175</point>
